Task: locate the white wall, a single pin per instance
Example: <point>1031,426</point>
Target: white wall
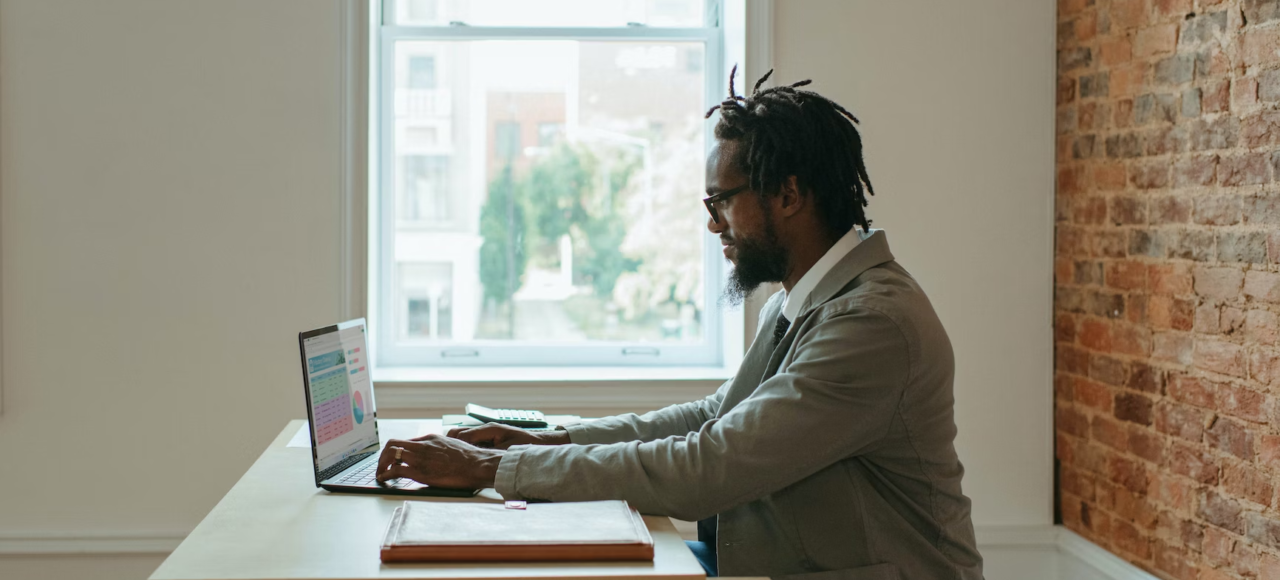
<point>956,102</point>
<point>169,191</point>
<point>170,211</point>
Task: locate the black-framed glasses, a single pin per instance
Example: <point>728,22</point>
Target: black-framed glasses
<point>711,201</point>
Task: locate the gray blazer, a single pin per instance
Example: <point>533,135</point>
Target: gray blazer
<point>829,456</point>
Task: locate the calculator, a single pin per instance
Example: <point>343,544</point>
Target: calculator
<point>512,417</point>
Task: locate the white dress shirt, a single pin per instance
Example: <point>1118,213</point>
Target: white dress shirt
<point>796,297</point>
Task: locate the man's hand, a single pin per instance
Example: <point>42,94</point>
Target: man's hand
<point>500,436</point>
<point>440,462</point>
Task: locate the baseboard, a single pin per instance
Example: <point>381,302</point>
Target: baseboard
<point>1010,552</point>
<point>58,543</point>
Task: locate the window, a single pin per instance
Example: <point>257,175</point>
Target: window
<point>541,174</point>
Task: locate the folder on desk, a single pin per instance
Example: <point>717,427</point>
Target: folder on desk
<point>430,531</point>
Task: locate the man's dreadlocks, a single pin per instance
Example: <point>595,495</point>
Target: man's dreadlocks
<point>784,131</point>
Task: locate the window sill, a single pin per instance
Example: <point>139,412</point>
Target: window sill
<point>577,390</point>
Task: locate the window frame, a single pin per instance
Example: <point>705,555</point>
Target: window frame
<point>723,345</point>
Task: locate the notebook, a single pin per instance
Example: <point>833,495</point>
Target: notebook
<point>425,531</point>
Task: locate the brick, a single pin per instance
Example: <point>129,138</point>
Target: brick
<point>1091,116</point>
<point>1087,272</point>
<point>1189,245</point>
<point>1128,539</point>
<point>1170,490</point>
<point>1268,567</point>
<point>1220,511</point>
<point>1173,347</point>
<point>1203,28</point>
<point>1216,97</point>
<point>1089,210</point>
<point>1268,450</point>
<point>1197,170</point>
<point>1180,421</point>
<point>1133,408</point>
<point>1171,279</point>
<point>1245,169</point>
<point>1218,210</point>
<point>1273,247</point>
<point>1231,320</point>
<point>1136,308</point>
<point>1086,27</point>
<point>1248,247</point>
<point>1166,312</point>
<point>1092,394</point>
<point>1174,70</point>
<point>1109,176</point>
<point>1082,147</point>
<point>1149,175</point>
<point>1192,390</point>
<point>1125,210</point>
<point>1189,462</point>
<point>1074,58</point>
<point>1260,11</point>
<point>1241,403</point>
<point>1211,61</point>
<point>1110,244</point>
<point>1269,86</point>
<point>1130,339</point>
<point>1174,562</point>
<point>1241,480</point>
<point>1230,436</point>
<point>1191,103</point>
<point>1071,421</point>
<point>1104,304</point>
<point>1263,529</point>
<point>1126,80</point>
<point>1218,283</point>
<point>1145,378</point>
<point>1129,13</point>
<point>1220,133</point>
<point>1166,140</point>
<point>1262,286</point>
<point>1095,85</point>
<point>1264,366</point>
<point>1259,46</point>
<point>1145,243</point>
<point>1261,209</point>
<point>1109,433</point>
<point>1072,360</point>
<point>1127,145</point>
<point>1108,370</point>
<point>1217,546</point>
<point>1220,357</point>
<point>1207,319</point>
<point>1173,8</point>
<point>1171,209</point>
<point>1146,444</point>
<point>1244,92</point>
<point>1127,275</point>
<point>1114,51</point>
<point>1155,108</point>
<point>1261,129</point>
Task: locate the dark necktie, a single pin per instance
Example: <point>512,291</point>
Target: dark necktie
<point>780,329</point>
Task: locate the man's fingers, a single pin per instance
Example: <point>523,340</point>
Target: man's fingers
<point>394,472</point>
<point>454,432</point>
<point>387,457</point>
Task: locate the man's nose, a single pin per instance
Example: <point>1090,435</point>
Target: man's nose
<point>715,228</point>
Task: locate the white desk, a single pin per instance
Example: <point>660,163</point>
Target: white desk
<point>276,524</point>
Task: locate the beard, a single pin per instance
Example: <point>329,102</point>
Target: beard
<point>760,260</point>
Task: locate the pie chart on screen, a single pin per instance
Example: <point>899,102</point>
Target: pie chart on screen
<point>358,408</point>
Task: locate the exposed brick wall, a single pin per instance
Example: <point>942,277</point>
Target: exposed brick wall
<point>1167,269</point>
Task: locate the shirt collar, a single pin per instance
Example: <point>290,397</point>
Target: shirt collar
<point>795,299</point>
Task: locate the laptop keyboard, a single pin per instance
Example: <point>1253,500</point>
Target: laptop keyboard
<point>365,475</point>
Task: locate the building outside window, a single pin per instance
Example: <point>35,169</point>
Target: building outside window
<point>541,185</point>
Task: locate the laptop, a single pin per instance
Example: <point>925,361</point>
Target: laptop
<point>344,423</point>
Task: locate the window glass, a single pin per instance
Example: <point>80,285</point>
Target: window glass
<point>657,13</point>
<point>547,191</point>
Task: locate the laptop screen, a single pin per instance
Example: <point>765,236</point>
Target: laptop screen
<point>339,393</point>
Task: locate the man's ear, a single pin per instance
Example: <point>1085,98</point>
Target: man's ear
<point>790,200</point>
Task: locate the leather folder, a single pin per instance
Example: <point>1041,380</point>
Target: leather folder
<point>436,531</point>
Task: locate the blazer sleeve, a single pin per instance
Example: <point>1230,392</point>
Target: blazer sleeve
<point>835,399</point>
<point>680,419</point>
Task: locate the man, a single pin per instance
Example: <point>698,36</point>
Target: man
<point>830,454</point>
